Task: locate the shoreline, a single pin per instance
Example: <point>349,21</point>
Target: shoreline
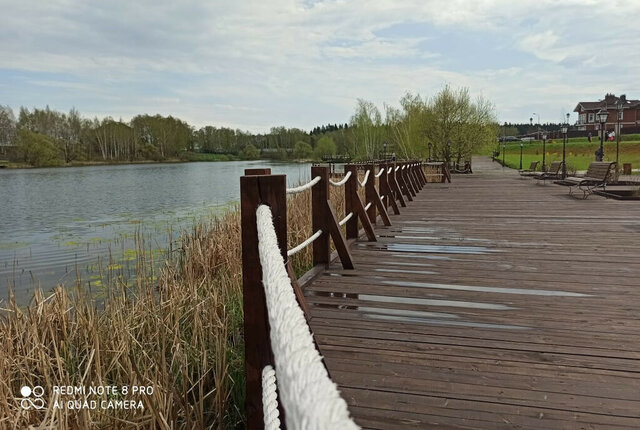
<point>18,166</point>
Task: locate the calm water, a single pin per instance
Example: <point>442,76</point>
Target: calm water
<point>54,222</point>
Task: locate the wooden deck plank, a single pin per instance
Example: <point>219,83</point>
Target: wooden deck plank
<point>491,302</point>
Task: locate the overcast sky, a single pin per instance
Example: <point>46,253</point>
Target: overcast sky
<point>256,64</point>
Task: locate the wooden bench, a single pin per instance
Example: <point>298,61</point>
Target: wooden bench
<point>531,170</point>
<point>554,172</point>
<point>597,176</point>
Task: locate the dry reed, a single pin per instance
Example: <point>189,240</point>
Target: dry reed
<point>180,334</point>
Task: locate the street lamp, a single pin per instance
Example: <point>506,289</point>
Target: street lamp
<point>544,152</point>
<point>564,129</point>
<point>521,145</point>
<point>538,132</point>
<point>602,118</point>
<point>429,145</point>
<point>618,132</point>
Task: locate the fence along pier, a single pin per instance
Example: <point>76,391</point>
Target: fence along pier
<point>468,311</point>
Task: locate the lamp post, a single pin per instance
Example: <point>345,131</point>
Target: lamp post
<point>521,145</point>
<point>602,118</point>
<point>538,132</point>
<point>429,145</point>
<point>544,152</point>
<point>565,128</point>
<point>618,133</point>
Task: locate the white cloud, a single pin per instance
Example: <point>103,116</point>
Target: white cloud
<point>255,64</point>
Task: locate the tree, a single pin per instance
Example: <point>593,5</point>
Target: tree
<point>250,152</point>
<point>7,126</point>
<point>367,130</point>
<point>325,146</point>
<point>38,149</point>
<point>302,151</point>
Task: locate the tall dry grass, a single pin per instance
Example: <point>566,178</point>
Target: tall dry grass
<point>180,334</point>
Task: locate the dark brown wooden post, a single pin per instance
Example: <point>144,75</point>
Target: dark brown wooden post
<point>320,216</point>
<point>386,190</point>
<point>420,172</point>
<point>408,180</point>
<point>402,181</point>
<point>350,191</point>
<point>395,185</point>
<point>369,192</point>
<point>254,191</point>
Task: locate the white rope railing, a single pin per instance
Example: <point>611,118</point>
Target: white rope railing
<point>341,182</point>
<point>382,197</point>
<point>366,208</point>
<point>296,249</point>
<point>380,173</point>
<point>309,398</point>
<point>389,170</point>
<point>344,220</point>
<point>304,187</point>
<point>397,168</point>
<point>366,178</point>
<point>270,399</point>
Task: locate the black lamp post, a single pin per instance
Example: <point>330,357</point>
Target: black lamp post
<point>544,152</point>
<point>564,129</point>
<point>521,145</point>
<point>602,118</point>
<point>429,145</point>
<point>618,132</point>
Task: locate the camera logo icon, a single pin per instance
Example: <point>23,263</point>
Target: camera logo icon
<point>32,397</point>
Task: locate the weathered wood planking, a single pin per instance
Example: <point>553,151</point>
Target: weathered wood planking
<point>492,302</point>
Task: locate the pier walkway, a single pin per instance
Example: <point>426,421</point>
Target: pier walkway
<point>492,302</point>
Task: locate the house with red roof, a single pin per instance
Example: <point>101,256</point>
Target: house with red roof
<point>619,109</point>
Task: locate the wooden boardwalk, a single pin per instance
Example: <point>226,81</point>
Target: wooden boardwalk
<point>491,303</point>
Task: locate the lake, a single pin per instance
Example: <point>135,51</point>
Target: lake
<point>58,224</point>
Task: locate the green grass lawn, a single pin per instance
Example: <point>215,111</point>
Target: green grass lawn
<point>579,152</point>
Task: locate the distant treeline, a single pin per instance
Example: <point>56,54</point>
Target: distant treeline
<point>450,122</point>
<point>509,129</point>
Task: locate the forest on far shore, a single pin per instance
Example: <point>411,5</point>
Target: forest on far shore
<point>448,126</point>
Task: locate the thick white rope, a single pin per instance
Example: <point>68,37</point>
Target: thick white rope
<point>309,397</point>
<point>270,399</point>
<point>382,197</point>
<point>366,208</point>
<point>389,170</point>
<point>304,187</point>
<point>341,182</point>
<point>366,178</point>
<point>397,168</point>
<point>296,249</point>
<point>380,173</point>
<point>345,219</point>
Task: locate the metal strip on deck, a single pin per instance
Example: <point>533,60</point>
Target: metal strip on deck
<point>492,302</point>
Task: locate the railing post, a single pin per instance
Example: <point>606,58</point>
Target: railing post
<point>254,191</point>
<point>351,190</point>
<point>320,216</point>
<point>369,192</point>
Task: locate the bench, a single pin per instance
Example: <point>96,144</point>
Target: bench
<point>531,170</point>
<point>554,172</point>
<point>597,176</point>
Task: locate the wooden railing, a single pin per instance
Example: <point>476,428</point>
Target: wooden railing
<point>387,186</point>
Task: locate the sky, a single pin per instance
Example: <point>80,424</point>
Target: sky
<point>253,65</point>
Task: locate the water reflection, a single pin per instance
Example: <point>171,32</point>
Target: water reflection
<point>59,220</point>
